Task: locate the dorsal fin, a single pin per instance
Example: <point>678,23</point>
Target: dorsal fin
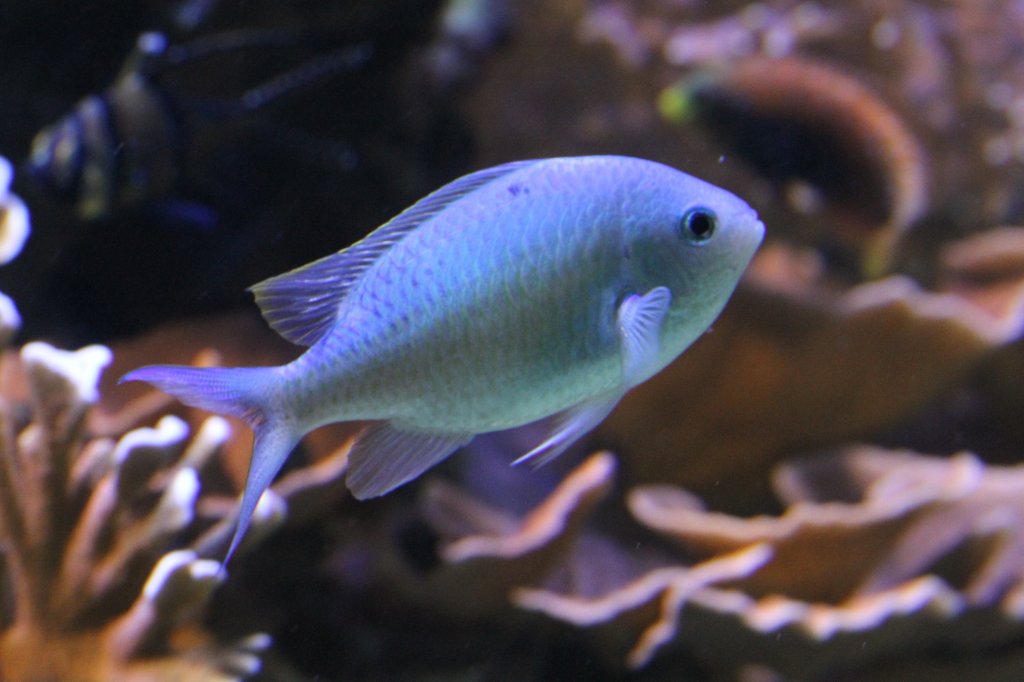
<point>302,304</point>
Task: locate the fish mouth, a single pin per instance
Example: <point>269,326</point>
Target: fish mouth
<point>751,238</point>
<point>759,227</point>
<point>759,231</point>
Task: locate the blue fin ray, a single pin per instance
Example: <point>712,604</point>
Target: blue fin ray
<point>571,425</point>
<point>225,390</point>
<point>271,447</point>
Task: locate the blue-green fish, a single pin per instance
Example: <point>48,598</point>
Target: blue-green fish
<point>528,290</point>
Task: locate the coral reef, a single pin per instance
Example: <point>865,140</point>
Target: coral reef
<point>83,524</point>
<point>932,87</point>
<point>735,534</point>
<point>110,530</point>
<point>880,557</point>
<point>807,355</point>
<point>849,362</point>
<point>823,138</point>
<point>484,553</point>
<point>112,543</point>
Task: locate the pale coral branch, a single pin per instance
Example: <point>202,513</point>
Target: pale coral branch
<point>90,466</point>
<point>59,517</point>
<point>31,472</point>
<point>130,416</point>
<point>179,584</point>
<point>62,388</point>
<point>12,522</point>
<point>80,555</point>
<point>143,538</point>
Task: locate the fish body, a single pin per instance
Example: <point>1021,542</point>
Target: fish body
<point>537,288</point>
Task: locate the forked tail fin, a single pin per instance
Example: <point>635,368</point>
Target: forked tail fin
<point>238,391</point>
<point>244,392</point>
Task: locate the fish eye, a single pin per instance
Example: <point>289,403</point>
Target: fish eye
<point>698,225</point>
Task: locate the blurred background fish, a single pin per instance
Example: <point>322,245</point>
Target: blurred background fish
<point>128,146</point>
<point>226,143</point>
<point>835,151</point>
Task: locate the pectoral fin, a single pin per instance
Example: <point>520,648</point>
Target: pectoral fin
<point>638,321</point>
<point>385,456</point>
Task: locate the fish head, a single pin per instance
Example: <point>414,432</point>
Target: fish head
<point>696,239</point>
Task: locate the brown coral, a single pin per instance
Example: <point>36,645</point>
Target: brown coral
<point>987,269</point>
<point>934,89</point>
<point>485,554</point>
<point>822,135</point>
<point>631,624</point>
<point>914,551</point>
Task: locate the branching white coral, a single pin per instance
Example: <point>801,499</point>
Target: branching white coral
<point>84,520</point>
<point>106,556</point>
<point>110,543</point>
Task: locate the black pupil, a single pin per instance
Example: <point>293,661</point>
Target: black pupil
<point>700,224</point>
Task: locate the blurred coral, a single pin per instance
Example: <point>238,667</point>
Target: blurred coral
<point>933,90</point>
<point>111,542</point>
<point>550,564</point>
<point>84,520</point>
<point>14,218</point>
<point>881,555</point>
<point>629,626</point>
<point>483,554</point>
<point>822,137</point>
<point>987,269</point>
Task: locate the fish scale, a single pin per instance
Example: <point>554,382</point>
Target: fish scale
<point>536,289</point>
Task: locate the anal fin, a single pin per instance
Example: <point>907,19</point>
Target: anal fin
<point>385,456</point>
